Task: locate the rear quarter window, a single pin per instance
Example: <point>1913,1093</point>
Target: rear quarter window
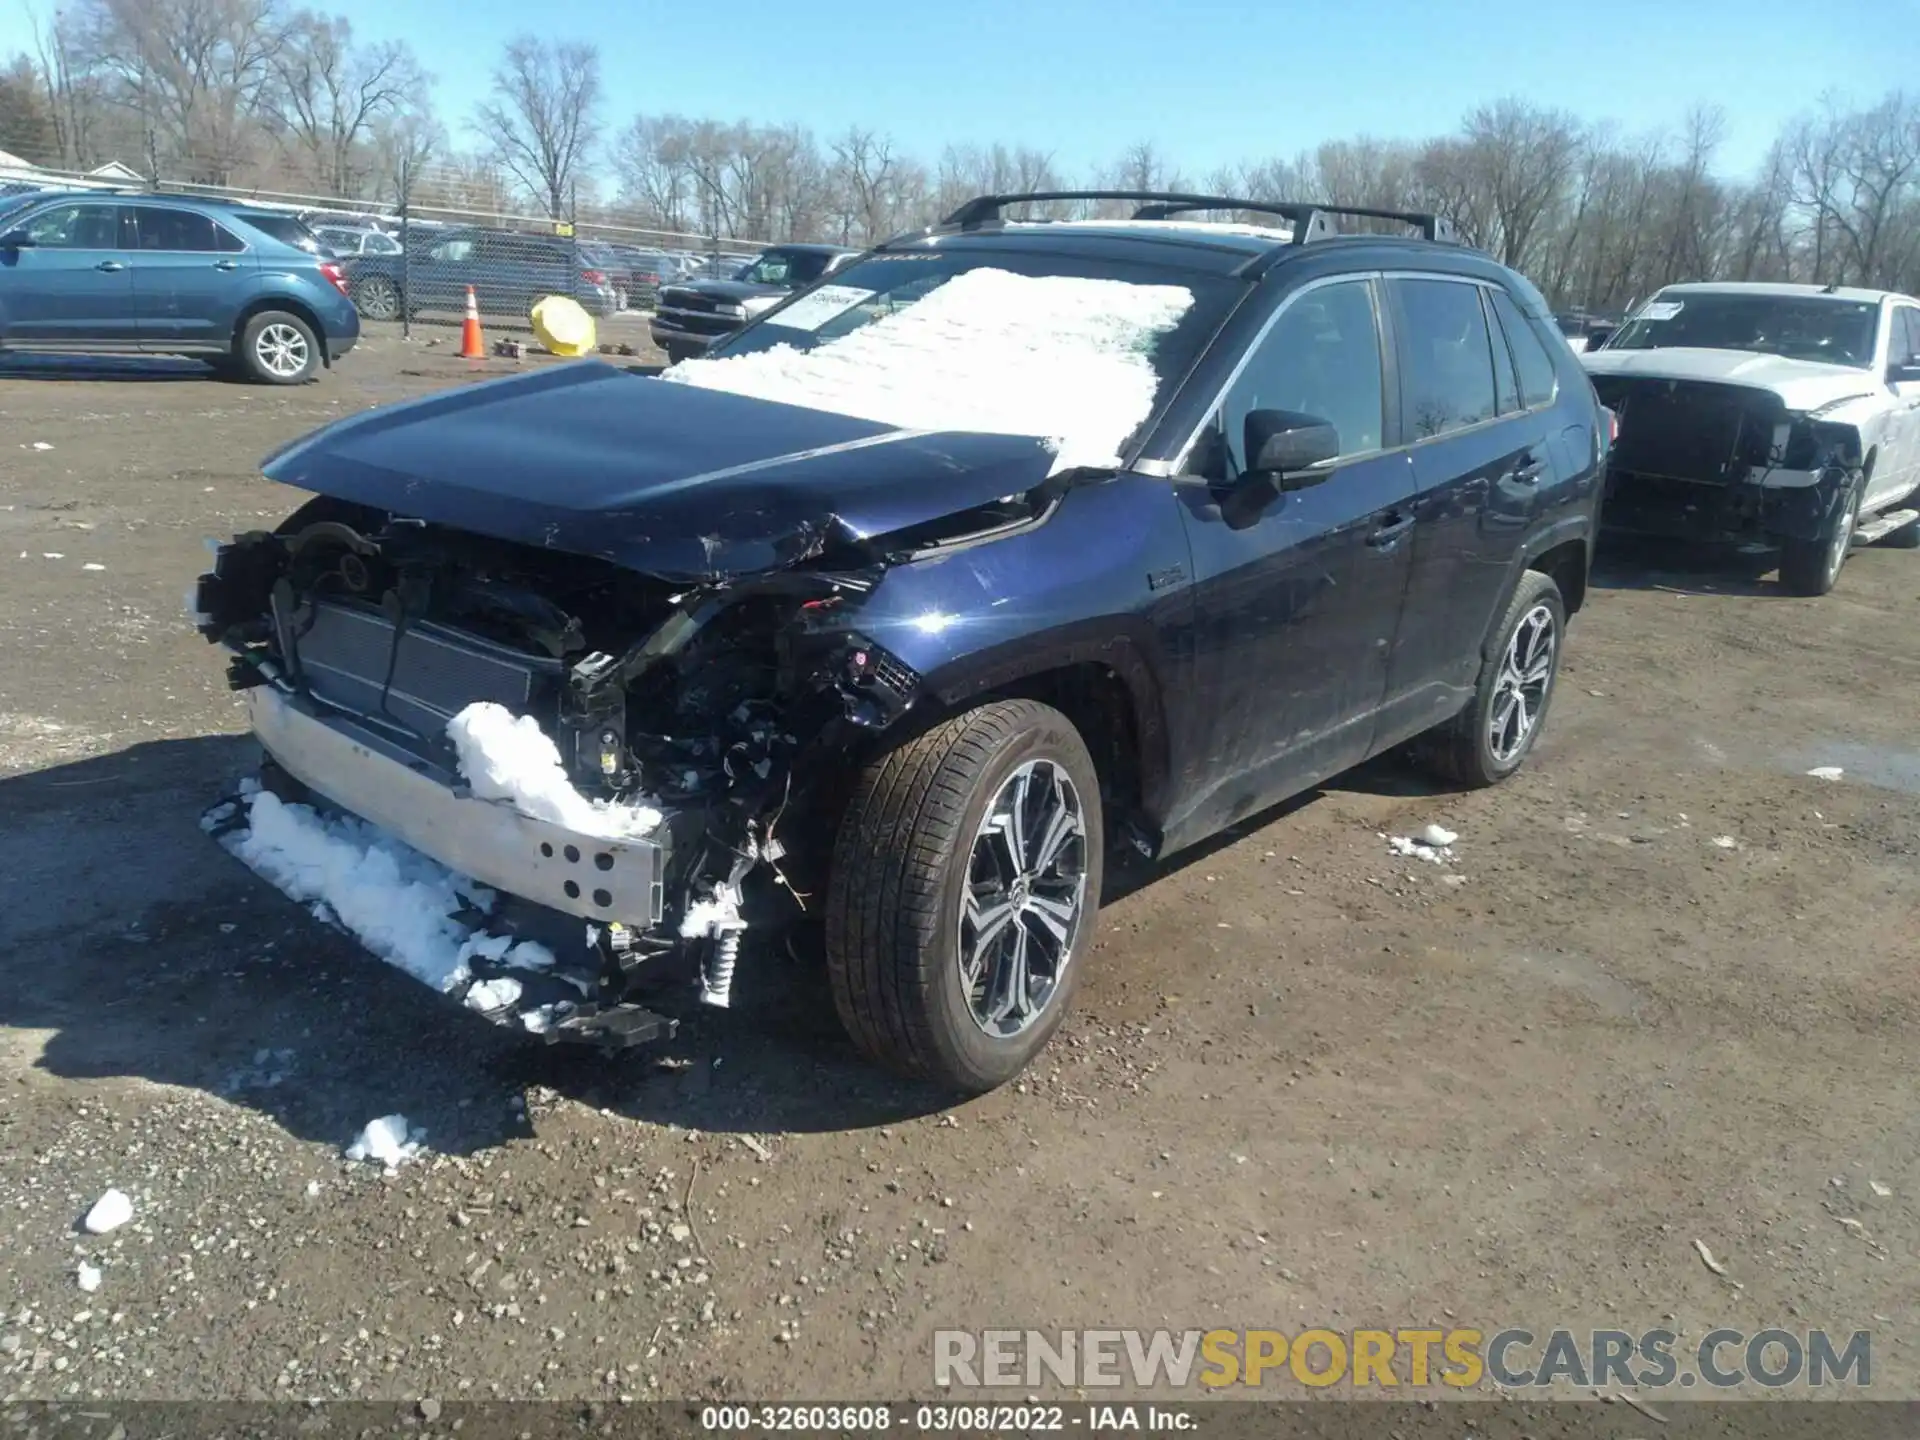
<point>1538,377</point>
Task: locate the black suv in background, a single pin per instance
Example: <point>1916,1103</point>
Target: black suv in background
<point>509,270</point>
<point>1278,501</point>
<point>694,314</point>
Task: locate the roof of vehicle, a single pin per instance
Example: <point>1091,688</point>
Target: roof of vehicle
<point>1191,245</point>
<point>1757,287</point>
<point>807,248</point>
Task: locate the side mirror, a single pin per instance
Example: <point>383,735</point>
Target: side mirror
<point>16,240</point>
<point>1283,446</point>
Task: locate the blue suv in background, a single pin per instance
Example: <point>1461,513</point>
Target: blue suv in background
<point>250,291</point>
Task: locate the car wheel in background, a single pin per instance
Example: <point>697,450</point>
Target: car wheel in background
<point>1492,737</point>
<point>278,348</point>
<point>677,353</point>
<point>960,907</point>
<point>377,298</point>
<point>1811,567</point>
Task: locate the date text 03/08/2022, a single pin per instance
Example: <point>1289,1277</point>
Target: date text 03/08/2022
<point>945,1418</point>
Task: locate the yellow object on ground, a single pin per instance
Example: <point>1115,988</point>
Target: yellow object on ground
<point>563,326</point>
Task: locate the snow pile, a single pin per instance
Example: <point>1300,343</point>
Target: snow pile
<point>1060,357</point>
<point>1826,772</point>
<point>401,905</point>
<point>387,1141</point>
<point>509,758</point>
<point>396,901</point>
<point>109,1212</point>
<point>88,1276</point>
<point>1435,844</point>
<point>494,994</point>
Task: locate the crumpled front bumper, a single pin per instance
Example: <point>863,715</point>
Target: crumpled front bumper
<point>615,885</point>
<point>598,880</point>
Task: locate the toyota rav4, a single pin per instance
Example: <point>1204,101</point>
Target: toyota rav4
<point>1011,544</point>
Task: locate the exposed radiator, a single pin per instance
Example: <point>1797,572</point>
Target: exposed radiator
<point>345,654</point>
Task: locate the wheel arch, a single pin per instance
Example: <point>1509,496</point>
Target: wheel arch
<point>1563,553</point>
<point>292,306</point>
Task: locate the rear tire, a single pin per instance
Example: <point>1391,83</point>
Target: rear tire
<point>931,870</point>
<point>677,353</point>
<point>279,348</point>
<point>1491,738</point>
<point>377,298</point>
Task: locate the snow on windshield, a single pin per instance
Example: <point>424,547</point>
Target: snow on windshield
<point>1062,357</point>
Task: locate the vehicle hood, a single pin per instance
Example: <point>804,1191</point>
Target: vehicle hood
<point>671,480</point>
<point>729,290</point>
<point>1800,384</point>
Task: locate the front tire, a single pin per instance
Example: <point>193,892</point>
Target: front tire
<point>1812,567</point>
<point>279,348</point>
<point>965,881</point>
<point>1492,737</point>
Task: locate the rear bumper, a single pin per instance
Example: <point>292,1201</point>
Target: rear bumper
<point>547,864</point>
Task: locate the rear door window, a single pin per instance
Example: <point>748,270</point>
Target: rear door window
<point>178,230</point>
<point>1538,378</point>
<point>1446,358</point>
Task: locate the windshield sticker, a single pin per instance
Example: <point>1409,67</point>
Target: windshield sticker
<point>1660,310</point>
<point>813,310</point>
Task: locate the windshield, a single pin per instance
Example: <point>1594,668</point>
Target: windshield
<point>787,267</point>
<point>1016,342</point>
<point>1809,327</point>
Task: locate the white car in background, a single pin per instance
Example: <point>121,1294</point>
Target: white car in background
<point>1788,414</point>
<point>352,240</point>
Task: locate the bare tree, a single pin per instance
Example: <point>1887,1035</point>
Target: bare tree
<point>331,94</point>
<point>544,116</point>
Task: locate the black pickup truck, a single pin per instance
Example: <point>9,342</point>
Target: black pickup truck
<point>696,313</point>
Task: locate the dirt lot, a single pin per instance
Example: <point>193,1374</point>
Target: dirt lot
<point>1666,992</point>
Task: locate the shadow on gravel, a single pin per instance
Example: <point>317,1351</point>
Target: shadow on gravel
<point>132,947</point>
<point>102,367</point>
<point>1624,563</point>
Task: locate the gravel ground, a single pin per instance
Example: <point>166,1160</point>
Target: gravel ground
<point>1664,991</point>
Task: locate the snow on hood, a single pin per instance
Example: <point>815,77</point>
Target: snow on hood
<point>1060,357</point>
<point>1800,384</point>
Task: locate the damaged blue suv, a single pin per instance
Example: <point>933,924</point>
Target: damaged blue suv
<point>1009,544</point>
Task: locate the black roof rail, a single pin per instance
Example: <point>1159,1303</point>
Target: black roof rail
<point>1310,221</point>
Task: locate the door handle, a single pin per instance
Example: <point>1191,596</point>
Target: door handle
<point>111,265</point>
<point>226,264</point>
<point>1528,471</point>
<point>1392,526</point>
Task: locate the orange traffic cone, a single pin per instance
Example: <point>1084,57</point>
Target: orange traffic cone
<point>473,345</point>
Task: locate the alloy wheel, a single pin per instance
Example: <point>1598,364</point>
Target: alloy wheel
<point>282,350</point>
<point>1520,694</point>
<point>1024,899</point>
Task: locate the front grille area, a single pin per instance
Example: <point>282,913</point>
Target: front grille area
<point>344,655</point>
<point>1688,430</point>
<point>688,300</point>
<point>696,322</point>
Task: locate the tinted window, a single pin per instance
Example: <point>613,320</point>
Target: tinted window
<point>1905,342</point>
<point>1446,360</point>
<point>174,230</point>
<point>287,229</point>
<point>1538,379</point>
<point>1506,384</point>
<point>1321,358</point>
<point>76,227</point>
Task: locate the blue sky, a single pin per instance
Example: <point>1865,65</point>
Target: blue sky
<point>1210,82</point>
